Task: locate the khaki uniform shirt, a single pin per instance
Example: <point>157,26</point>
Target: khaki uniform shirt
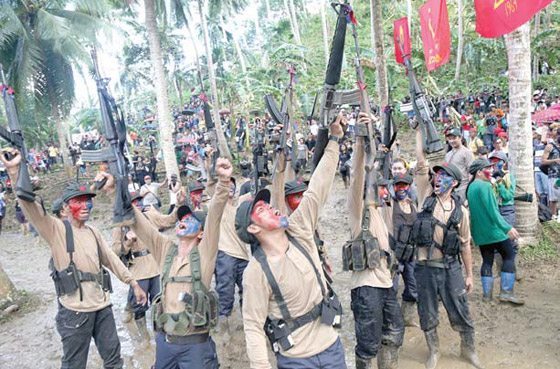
<point>229,241</point>
<point>379,277</point>
<point>86,257</point>
<point>142,267</point>
<point>161,221</point>
<point>425,189</point>
<point>295,276</point>
<point>159,246</point>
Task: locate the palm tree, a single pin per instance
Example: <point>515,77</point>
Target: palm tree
<point>163,113</point>
<point>518,46</point>
<point>40,42</point>
<point>6,287</point>
<point>380,66</point>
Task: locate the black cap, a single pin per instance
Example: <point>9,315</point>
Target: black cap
<point>500,155</point>
<point>450,169</point>
<point>295,186</point>
<point>403,178</point>
<point>453,132</point>
<point>57,206</point>
<point>243,215</point>
<point>196,186</point>
<point>75,189</point>
<point>136,197</point>
<point>184,210</point>
<point>479,164</point>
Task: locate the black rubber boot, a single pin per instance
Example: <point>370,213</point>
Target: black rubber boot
<point>388,357</point>
<point>410,314</point>
<point>362,363</point>
<point>468,351</point>
<point>432,340</point>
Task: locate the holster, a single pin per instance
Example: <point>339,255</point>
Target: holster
<point>204,308</point>
<point>66,281</point>
<point>105,281</point>
<point>331,311</point>
<point>279,335</point>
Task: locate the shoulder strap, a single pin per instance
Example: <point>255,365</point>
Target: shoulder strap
<point>195,269</point>
<point>171,253</point>
<point>457,214</point>
<point>69,239</point>
<point>97,243</point>
<point>308,257</point>
<point>261,258</point>
<point>429,204</point>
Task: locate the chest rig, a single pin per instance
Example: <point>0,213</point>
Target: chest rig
<point>279,331</point>
<point>201,305</point>
<point>402,242</point>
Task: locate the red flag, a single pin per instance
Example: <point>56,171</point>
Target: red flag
<point>436,36</point>
<point>495,18</point>
<point>402,39</point>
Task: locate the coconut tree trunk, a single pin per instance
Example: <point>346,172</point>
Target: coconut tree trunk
<point>193,43</point>
<point>460,39</point>
<point>267,5</point>
<point>380,65</point>
<point>536,30</point>
<point>409,15</point>
<point>325,34</point>
<point>222,143</point>
<point>293,26</point>
<point>164,117</point>
<point>6,286</point>
<point>518,46</point>
<point>293,14</point>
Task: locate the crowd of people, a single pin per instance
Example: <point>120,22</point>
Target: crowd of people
<point>259,233</point>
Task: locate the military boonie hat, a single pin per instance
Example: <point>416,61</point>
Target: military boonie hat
<point>75,189</point>
<point>243,216</point>
<point>450,169</point>
<point>185,210</point>
<point>295,186</point>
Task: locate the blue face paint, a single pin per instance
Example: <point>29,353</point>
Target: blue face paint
<point>500,165</point>
<point>189,226</point>
<point>89,204</point>
<point>402,194</point>
<point>443,182</point>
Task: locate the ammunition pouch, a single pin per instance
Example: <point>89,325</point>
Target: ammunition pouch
<point>138,254</point>
<point>423,230</point>
<point>451,242</point>
<point>126,258</point>
<point>69,280</point>
<point>402,245</point>
<point>361,253</point>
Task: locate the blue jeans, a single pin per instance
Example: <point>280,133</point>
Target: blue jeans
<point>229,273</point>
<point>406,270</point>
<point>185,356</point>
<point>331,358</point>
<point>449,285</point>
<point>152,288</point>
<point>541,183</point>
<point>377,319</point>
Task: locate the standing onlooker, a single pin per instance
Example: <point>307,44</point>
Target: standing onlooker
<point>344,164</point>
<point>551,160</point>
<point>461,157</point>
<point>541,179</point>
<point>174,188</point>
<point>149,192</point>
<point>302,156</point>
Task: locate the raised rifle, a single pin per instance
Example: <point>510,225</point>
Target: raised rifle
<point>423,109</point>
<point>283,117</point>
<point>259,159</point>
<point>14,135</point>
<point>114,130</point>
<point>211,137</point>
<point>331,98</point>
<point>388,137</point>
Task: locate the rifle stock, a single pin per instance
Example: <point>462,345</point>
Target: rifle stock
<point>114,130</point>
<point>23,186</point>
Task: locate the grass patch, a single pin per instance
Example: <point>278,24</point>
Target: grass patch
<point>26,301</point>
<point>547,247</point>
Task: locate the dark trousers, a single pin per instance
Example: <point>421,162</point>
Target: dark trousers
<point>152,288</point>
<point>377,319</point>
<point>331,358</point>
<point>406,270</point>
<point>505,249</point>
<point>229,273</point>
<point>449,285</point>
<point>185,356</point>
<point>76,330</point>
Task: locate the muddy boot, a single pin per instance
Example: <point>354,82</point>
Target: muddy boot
<point>143,335</point>
<point>410,314</point>
<point>362,363</point>
<point>506,293</point>
<point>223,324</point>
<point>468,351</point>
<point>128,314</point>
<point>432,340</point>
<point>487,287</point>
<point>388,357</point>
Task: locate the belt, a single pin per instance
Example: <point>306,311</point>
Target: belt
<point>190,339</point>
<point>137,254</point>
<point>432,263</point>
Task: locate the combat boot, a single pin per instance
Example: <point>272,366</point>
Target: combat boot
<point>362,363</point>
<point>128,314</point>
<point>487,287</point>
<point>468,351</point>
<point>506,294</point>
<point>143,335</point>
<point>432,340</point>
<point>410,314</point>
<point>388,357</point>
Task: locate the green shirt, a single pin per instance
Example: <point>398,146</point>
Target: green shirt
<point>487,225</point>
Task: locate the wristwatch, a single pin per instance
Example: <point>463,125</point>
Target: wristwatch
<point>334,138</point>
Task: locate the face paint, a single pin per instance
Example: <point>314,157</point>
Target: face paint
<point>293,200</point>
<point>383,193</point>
<point>402,194</point>
<point>443,182</point>
<point>487,172</point>
<point>80,204</point>
<point>188,226</point>
<point>196,198</point>
<point>265,216</point>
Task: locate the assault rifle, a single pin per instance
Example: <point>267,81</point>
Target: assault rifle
<point>259,160</point>
<point>388,137</point>
<point>331,98</point>
<point>283,117</point>
<point>114,130</point>
<point>211,136</point>
<point>14,136</point>
<point>423,110</point>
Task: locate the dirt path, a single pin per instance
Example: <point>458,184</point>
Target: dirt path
<point>507,337</point>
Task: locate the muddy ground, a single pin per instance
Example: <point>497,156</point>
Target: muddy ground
<point>507,337</point>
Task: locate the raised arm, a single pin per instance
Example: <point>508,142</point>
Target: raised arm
<point>278,180</point>
<point>356,190</point>
<point>150,236</point>
<point>421,174</point>
<point>111,260</point>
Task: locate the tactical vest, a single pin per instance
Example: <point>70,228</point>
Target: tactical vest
<point>201,305</point>
<point>364,252</point>
<point>401,241</point>
<point>279,331</point>
<point>425,225</point>
<point>69,280</point>
<point>322,254</point>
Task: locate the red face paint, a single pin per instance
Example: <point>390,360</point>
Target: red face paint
<point>383,193</point>
<point>401,187</point>
<point>196,198</point>
<point>80,207</point>
<point>487,172</point>
<point>265,216</point>
<point>293,200</point>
